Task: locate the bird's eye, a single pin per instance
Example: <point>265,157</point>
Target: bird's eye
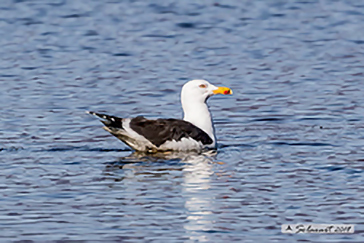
<point>203,86</point>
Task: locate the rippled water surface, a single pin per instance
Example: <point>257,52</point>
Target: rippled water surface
<point>291,138</point>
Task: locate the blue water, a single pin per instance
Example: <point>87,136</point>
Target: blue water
<point>291,138</point>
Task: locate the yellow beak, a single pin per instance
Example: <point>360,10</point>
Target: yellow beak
<point>223,90</point>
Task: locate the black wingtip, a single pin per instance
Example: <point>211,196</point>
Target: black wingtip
<point>112,121</point>
<point>102,116</point>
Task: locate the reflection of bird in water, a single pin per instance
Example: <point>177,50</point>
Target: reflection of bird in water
<point>194,132</point>
<point>137,159</point>
<point>182,177</point>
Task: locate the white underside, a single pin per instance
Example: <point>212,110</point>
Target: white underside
<point>140,143</point>
<point>185,144</point>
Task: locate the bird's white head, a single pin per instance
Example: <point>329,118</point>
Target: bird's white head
<point>199,90</point>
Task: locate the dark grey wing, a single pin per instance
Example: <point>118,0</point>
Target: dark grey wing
<point>162,130</point>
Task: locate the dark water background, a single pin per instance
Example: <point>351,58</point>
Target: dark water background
<point>291,139</point>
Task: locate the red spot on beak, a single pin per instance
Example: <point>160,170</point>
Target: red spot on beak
<point>227,92</point>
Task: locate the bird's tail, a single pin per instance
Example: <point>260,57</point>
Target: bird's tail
<point>109,121</point>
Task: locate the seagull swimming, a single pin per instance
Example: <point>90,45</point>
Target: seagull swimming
<point>194,133</point>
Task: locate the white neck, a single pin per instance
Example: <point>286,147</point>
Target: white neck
<point>199,115</point>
